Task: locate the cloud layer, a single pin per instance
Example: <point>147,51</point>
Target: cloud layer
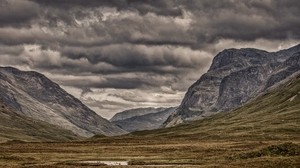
<point>153,49</point>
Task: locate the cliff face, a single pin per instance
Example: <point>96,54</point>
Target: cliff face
<point>235,76</point>
<point>33,95</point>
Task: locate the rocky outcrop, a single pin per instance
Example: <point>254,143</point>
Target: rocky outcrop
<point>235,77</point>
<point>142,118</point>
<point>33,95</point>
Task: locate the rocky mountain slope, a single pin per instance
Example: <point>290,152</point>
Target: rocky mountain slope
<point>17,127</point>
<point>33,95</point>
<point>274,115</point>
<point>235,77</point>
<point>142,119</point>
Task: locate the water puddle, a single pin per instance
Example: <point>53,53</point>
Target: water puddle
<point>108,163</point>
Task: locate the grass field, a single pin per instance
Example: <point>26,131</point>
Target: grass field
<point>161,151</point>
<point>262,133</point>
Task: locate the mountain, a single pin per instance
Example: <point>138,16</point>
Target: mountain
<point>274,115</point>
<point>16,127</point>
<point>235,77</point>
<point>134,113</point>
<point>142,118</point>
<point>33,95</point>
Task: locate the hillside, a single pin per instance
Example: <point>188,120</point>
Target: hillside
<point>273,115</point>
<point>235,77</point>
<point>31,94</point>
<point>16,127</point>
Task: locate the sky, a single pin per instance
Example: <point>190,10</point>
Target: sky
<point>116,55</point>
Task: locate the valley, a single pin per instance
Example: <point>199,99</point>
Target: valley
<point>262,133</point>
<point>149,83</point>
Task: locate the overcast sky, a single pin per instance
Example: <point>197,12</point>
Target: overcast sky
<point>120,54</point>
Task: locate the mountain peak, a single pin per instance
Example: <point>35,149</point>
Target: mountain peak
<point>32,74</point>
<point>238,57</point>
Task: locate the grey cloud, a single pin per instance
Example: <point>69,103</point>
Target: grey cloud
<point>167,83</point>
<point>167,8</point>
<point>245,20</point>
<point>106,104</point>
<point>10,55</point>
<point>94,82</point>
<point>210,22</point>
<point>142,97</point>
<point>11,50</point>
<point>140,55</point>
<point>17,13</point>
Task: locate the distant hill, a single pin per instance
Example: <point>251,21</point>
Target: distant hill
<point>235,77</point>
<point>134,113</point>
<point>32,95</point>
<point>142,119</point>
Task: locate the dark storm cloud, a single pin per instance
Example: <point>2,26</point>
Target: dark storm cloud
<point>17,12</point>
<point>137,56</point>
<point>167,8</point>
<point>116,59</point>
<point>120,81</point>
<point>210,21</point>
<point>95,82</point>
<point>245,20</point>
